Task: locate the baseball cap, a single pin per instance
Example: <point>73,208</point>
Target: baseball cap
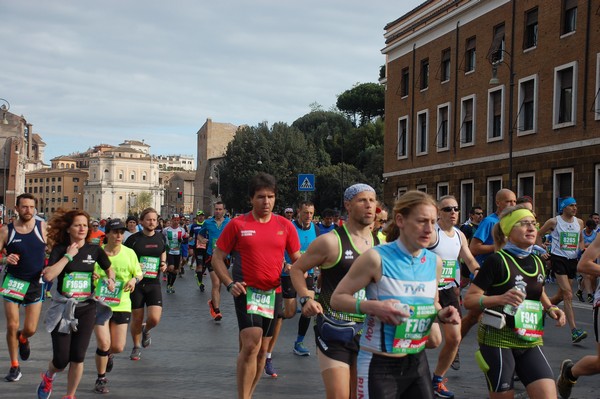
<point>200,212</point>
<point>115,224</point>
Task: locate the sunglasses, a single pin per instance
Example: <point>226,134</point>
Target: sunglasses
<point>383,220</point>
<point>478,213</point>
<point>450,209</point>
<point>526,223</point>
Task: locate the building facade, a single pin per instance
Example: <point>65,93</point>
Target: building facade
<point>482,95</point>
<point>213,138</point>
<point>175,162</point>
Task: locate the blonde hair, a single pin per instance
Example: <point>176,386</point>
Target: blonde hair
<point>404,206</point>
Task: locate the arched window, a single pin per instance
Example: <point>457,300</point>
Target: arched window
<point>132,176</point>
<point>144,176</point>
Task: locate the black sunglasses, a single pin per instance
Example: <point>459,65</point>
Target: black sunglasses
<point>450,209</point>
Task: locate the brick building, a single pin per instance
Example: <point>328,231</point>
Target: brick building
<point>482,95</point>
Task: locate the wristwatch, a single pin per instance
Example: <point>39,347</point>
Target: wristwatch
<point>303,300</point>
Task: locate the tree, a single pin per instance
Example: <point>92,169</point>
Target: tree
<point>363,102</point>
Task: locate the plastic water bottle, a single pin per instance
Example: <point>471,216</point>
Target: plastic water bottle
<point>509,309</point>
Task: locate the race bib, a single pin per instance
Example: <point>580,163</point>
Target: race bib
<point>14,288</point>
<point>411,336</point>
<point>529,320</point>
<point>77,285</point>
<point>569,240</point>
<point>259,302</point>
<point>448,272</point>
<point>150,266</point>
<point>102,293</point>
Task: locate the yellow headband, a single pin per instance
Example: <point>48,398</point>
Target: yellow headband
<point>508,221</point>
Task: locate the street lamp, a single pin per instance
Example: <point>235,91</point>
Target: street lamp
<point>511,92</point>
<point>330,137</point>
<point>4,108</point>
<point>215,171</point>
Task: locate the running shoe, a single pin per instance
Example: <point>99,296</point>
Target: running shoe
<point>578,335</point>
<point>24,349</point>
<point>14,374</point>
<point>590,298</point>
<point>456,362</point>
<point>217,316</point>
<point>201,285</point>
<point>146,339</point>
<point>136,353</point>
<point>269,369</point>
<point>170,289</point>
<point>101,385</point>
<point>45,388</point>
<point>110,363</point>
<point>439,388</point>
<point>579,295</point>
<point>563,383</point>
<point>300,349</point>
<point>48,295</point>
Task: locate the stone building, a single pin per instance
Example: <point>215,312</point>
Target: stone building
<point>482,95</point>
<point>213,138</point>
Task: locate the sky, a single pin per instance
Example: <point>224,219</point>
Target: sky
<point>86,72</point>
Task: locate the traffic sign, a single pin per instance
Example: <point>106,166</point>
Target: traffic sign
<point>306,182</point>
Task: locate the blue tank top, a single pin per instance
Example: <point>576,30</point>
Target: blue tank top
<point>31,249</point>
<point>409,279</point>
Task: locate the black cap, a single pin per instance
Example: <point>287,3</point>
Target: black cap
<point>115,224</point>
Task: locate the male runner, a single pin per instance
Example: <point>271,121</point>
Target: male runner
<point>334,253</point>
<point>150,247</point>
<point>25,243</point>
<point>175,236</point>
<point>259,239</point>
<point>209,232</point>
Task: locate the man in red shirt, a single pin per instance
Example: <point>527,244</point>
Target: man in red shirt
<point>258,240</point>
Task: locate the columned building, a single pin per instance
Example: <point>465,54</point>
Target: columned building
<point>482,95</point>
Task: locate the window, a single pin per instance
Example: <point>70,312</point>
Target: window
<point>470,55</point>
<point>497,49</point>
<point>75,179</point>
<point>422,132</point>
<point>494,184</point>
<point>565,94</point>
<point>597,98</point>
<point>144,176</point>
<point>442,189</point>
<point>401,191</point>
<point>495,106</point>
<point>35,190</point>
<point>75,188</point>
<point>445,66</point>
<point>54,179</point>
<point>422,188</point>
<point>58,189</point>
<point>65,199</point>
<point>526,185</point>
<point>466,194</point>
<point>132,176</point>
<point>563,186</point>
<point>467,110</point>
<point>443,128</point>
<point>527,116</point>
<point>402,149</point>
<point>424,74</point>
<point>404,85</point>
<point>531,29</point>
<point>569,16</point>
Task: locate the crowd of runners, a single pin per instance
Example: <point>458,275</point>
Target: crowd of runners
<point>379,288</point>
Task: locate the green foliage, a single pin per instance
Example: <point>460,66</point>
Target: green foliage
<point>316,143</point>
<point>363,102</point>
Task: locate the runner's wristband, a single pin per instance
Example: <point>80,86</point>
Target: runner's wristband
<point>553,307</point>
<point>358,301</point>
<point>69,257</point>
<point>230,285</point>
<point>481,306</point>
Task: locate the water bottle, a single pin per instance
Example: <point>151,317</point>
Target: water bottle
<point>509,309</point>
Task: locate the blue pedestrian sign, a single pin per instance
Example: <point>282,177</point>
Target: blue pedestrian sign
<point>306,182</point>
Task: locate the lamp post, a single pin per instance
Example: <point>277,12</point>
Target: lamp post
<point>330,137</point>
<point>511,92</point>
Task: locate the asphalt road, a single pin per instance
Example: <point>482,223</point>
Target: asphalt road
<point>193,357</point>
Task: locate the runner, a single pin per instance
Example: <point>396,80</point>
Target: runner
<point>74,311</point>
<point>112,335</point>
<point>25,243</point>
<point>401,303</point>
<point>211,229</point>
<point>509,289</point>
<point>588,365</point>
<point>199,248</point>
<point>175,235</point>
<point>259,239</point>
<point>334,253</point>
<point>150,248</point>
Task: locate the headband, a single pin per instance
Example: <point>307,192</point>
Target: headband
<point>565,203</point>
<point>508,221</point>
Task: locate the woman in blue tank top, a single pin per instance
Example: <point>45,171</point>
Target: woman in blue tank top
<point>401,304</point>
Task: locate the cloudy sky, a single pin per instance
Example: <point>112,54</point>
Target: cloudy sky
<point>88,72</point>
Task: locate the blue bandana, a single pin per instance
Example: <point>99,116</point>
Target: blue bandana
<point>565,203</point>
<point>356,189</point>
